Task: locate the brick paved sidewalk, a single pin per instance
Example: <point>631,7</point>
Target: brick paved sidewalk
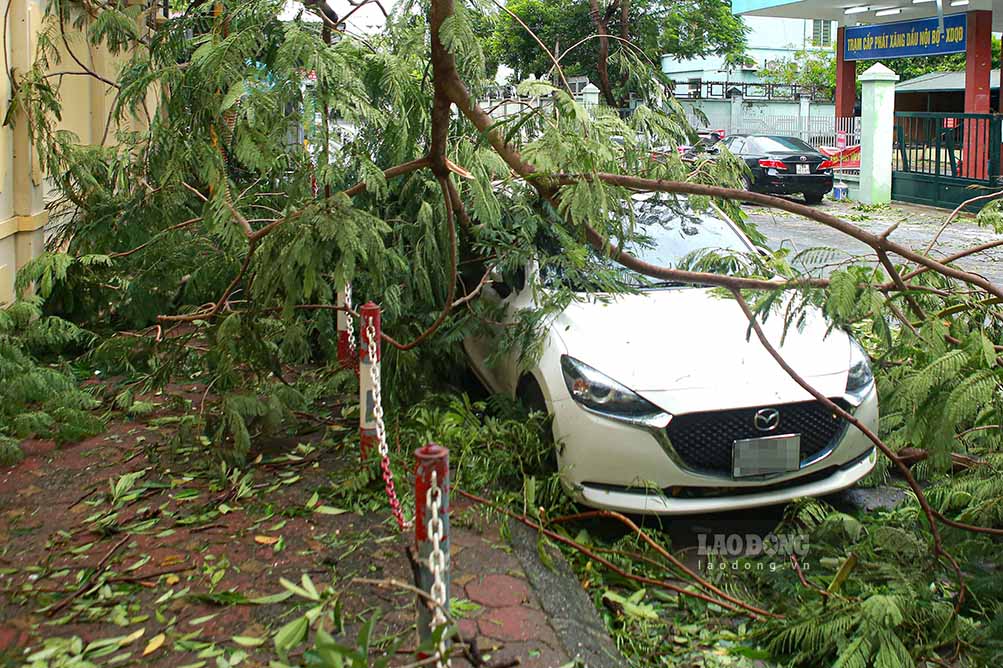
<point>521,608</point>
<point>190,574</point>
<point>508,621</point>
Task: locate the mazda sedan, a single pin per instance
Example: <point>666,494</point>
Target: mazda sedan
<point>663,403</point>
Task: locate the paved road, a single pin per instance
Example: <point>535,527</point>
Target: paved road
<point>917,225</point>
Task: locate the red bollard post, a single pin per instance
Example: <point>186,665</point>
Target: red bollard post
<point>369,316</point>
<point>431,459</point>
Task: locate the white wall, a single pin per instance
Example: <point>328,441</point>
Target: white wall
<point>784,118</point>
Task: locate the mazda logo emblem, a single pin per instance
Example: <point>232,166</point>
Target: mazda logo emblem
<point>766,419</point>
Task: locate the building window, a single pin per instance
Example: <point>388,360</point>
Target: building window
<point>577,84</point>
<point>693,87</point>
<point>821,32</point>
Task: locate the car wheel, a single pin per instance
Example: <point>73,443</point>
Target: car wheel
<point>814,198</point>
<point>747,183</point>
<point>531,395</point>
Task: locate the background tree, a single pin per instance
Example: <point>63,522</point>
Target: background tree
<point>808,67</point>
<point>817,67</point>
<point>606,41</point>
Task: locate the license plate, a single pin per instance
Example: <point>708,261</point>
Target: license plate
<point>765,456</point>
<point>804,169</point>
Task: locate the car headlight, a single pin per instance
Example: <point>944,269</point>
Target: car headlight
<point>860,379</point>
<point>601,394</point>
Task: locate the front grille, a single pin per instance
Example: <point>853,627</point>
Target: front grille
<point>704,440</point>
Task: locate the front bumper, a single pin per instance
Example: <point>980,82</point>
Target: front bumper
<point>613,465</point>
<point>627,501</point>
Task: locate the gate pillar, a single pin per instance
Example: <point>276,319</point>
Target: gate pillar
<point>877,121</point>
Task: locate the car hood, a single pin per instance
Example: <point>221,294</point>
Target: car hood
<point>690,349</point>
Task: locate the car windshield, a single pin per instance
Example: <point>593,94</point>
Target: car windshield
<point>670,233</point>
<point>778,145</point>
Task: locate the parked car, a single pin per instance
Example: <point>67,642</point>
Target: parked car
<point>661,401</point>
<point>705,140</point>
<point>783,166</point>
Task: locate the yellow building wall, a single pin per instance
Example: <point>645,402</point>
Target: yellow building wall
<point>86,102</point>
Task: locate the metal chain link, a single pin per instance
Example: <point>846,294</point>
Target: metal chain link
<point>437,562</point>
<point>349,323</point>
<point>381,429</point>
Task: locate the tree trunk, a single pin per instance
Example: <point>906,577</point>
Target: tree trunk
<point>602,64</point>
<point>625,36</point>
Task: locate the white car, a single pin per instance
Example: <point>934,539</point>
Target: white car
<point>662,403</point>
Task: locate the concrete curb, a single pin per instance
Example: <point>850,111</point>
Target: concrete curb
<point>573,617</point>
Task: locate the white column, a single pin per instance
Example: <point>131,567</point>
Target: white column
<point>590,95</point>
<point>804,117</point>
<point>877,121</point>
<point>736,113</point>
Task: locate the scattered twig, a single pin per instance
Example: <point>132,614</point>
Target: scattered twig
<point>80,500</point>
<point>954,214</point>
<point>85,585</point>
<point>745,608</point>
<point>140,579</point>
<point>804,581</point>
<point>671,558</point>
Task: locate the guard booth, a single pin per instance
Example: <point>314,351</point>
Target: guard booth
<point>941,159</point>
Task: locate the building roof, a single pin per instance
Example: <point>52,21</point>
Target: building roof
<point>861,11</point>
<point>942,82</point>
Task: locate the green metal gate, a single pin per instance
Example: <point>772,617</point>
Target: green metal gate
<point>943,159</point>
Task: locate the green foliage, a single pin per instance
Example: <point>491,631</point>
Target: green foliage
<point>153,227</point>
<point>493,443</point>
<point>37,399</point>
<point>817,67</point>
<point>807,67</point>
<point>895,608</point>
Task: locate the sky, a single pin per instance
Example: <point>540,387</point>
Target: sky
<point>368,19</point>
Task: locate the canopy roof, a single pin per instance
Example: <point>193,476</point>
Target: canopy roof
<point>942,82</point>
<point>863,11</point>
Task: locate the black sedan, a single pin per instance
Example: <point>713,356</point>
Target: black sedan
<point>783,166</point>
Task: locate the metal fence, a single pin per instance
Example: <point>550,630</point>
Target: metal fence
<point>818,131</point>
<point>945,144</point>
<point>722,90</point>
<point>945,159</point>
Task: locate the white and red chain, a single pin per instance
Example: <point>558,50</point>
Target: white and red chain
<point>381,429</point>
<point>437,563</point>
<point>349,323</point>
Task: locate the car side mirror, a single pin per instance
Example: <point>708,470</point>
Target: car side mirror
<point>501,288</point>
<point>506,282</point>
